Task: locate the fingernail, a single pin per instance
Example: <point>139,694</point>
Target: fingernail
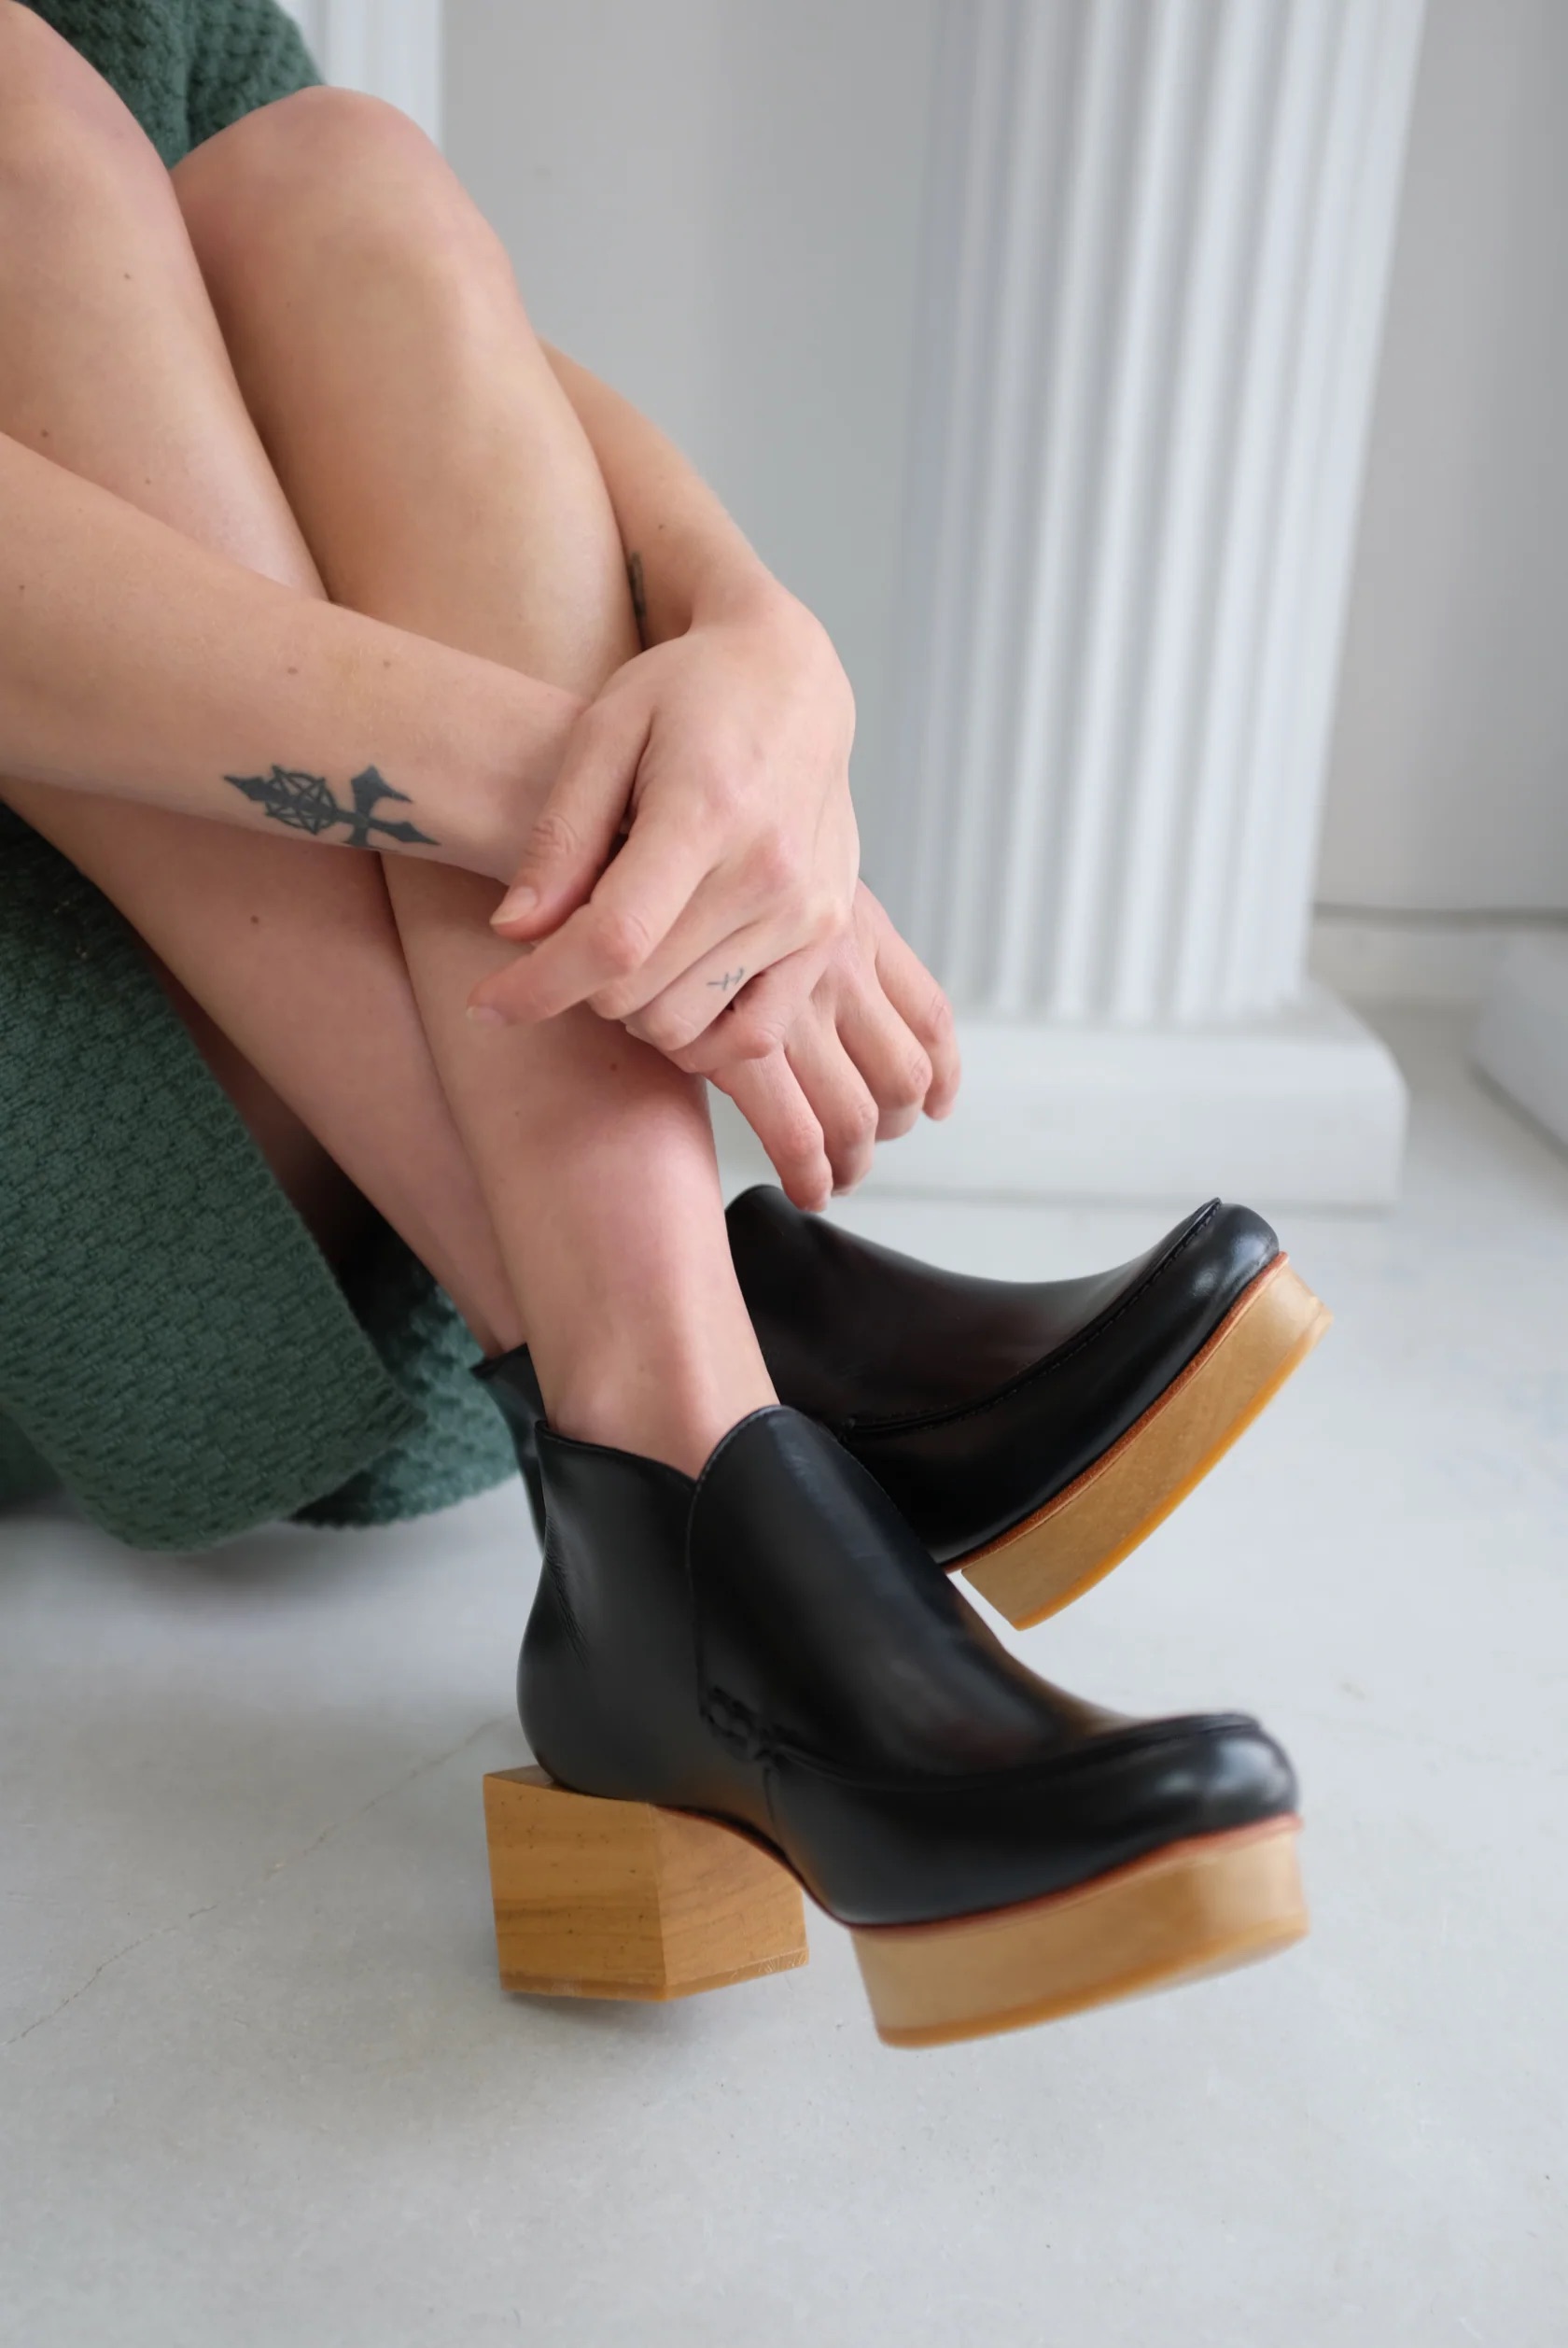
<point>516,903</point>
<point>486,1015</point>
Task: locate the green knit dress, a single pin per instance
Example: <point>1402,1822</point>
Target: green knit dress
<point>174,1349</point>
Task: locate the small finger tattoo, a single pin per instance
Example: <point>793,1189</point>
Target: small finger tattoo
<point>727,979</point>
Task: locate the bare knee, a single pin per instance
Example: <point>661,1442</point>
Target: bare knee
<point>332,175</point>
<point>68,141</point>
<point>311,139</point>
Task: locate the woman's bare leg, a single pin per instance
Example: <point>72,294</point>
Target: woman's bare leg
<point>444,483</point>
<point>321,1194</point>
<point>598,1158</point>
<point>112,363</point>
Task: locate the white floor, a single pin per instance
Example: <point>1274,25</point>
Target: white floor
<point>258,2086</point>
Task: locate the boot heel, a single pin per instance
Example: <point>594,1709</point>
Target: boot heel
<point>623,1900</point>
<point>1075,1540</point>
<point>1191,1909</point>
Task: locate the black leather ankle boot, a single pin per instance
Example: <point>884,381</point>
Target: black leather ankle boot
<point>771,1647</point>
<point>1032,1432</point>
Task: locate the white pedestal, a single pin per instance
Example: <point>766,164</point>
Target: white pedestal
<point>1303,1107</point>
<point>1521,1042</point>
<point>1159,237</point>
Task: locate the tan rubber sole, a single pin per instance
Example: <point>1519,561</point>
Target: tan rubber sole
<point>1192,1909</point>
<point>1075,1540</point>
<point>605,1899</point>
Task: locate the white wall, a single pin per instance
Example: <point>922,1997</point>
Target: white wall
<point>1449,787</point>
<point>716,204</point>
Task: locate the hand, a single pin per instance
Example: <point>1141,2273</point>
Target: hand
<point>722,756</point>
<point>873,1048</point>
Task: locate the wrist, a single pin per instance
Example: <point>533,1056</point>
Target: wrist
<point>518,739</point>
<point>754,600</point>
<point>483,744</point>
<point>741,591</point>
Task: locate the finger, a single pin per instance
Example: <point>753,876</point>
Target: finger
<point>576,830</point>
<point>760,1019</point>
<point>767,897</point>
<point>890,1058</point>
<point>839,1096</point>
<point>768,1095</point>
<point>925,1011</point>
<point>710,953</point>
<point>742,1017</point>
<point>632,908</point>
<point>736,926</point>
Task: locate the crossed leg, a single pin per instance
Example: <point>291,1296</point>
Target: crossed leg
<point>459,498</point>
<point>112,364</point>
<point>559,1178</point>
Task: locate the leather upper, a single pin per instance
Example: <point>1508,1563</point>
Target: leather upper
<point>974,1402</point>
<point>771,1644</point>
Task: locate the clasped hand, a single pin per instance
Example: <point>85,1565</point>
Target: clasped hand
<point>692,875</point>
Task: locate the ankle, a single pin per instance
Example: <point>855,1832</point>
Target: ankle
<point>673,1406</point>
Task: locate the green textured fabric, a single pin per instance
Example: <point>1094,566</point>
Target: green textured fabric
<point>174,1349</point>
<point>187,68</point>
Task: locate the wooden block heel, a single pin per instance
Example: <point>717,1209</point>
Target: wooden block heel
<point>1194,1908</point>
<point>1069,1544</point>
<point>622,1900</point>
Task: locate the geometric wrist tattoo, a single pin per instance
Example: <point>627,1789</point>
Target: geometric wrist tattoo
<point>303,803</point>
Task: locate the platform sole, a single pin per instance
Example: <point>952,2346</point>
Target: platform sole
<point>607,1899</point>
<point>1192,1909</point>
<point>1051,1558</point>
